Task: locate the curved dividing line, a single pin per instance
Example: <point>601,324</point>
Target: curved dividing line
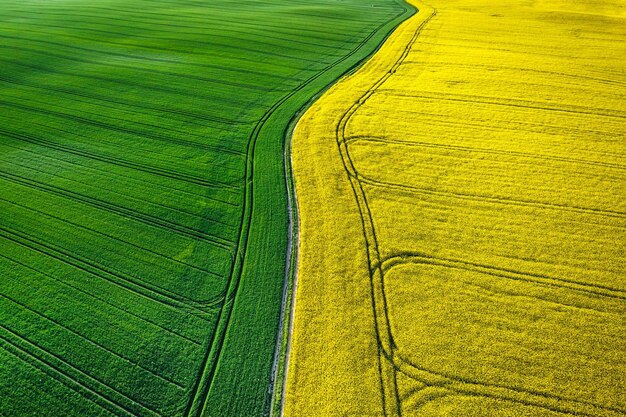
<point>292,259</point>
<point>204,380</point>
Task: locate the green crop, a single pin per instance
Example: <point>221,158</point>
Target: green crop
<point>143,204</point>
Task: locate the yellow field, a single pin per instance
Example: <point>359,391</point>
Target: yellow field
<point>462,204</point>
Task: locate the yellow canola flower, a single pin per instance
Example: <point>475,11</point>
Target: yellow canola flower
<point>462,202</point>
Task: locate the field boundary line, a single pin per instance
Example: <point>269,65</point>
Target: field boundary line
<point>200,391</point>
<point>284,339</point>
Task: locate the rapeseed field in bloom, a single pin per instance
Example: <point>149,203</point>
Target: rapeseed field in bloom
<point>463,215</point>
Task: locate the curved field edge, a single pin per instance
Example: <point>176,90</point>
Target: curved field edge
<point>258,262</point>
<point>281,361</point>
<point>283,347</point>
<point>354,84</point>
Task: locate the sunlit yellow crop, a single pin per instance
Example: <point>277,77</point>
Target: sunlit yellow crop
<point>462,203</point>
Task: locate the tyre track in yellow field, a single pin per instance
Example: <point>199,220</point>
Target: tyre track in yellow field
<point>390,396</point>
<point>389,407</point>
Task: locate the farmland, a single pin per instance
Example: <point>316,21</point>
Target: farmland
<point>143,202</point>
<point>462,205</point>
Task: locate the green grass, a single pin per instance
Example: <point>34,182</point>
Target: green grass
<point>143,215</point>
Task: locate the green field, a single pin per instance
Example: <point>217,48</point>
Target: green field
<point>143,205</point>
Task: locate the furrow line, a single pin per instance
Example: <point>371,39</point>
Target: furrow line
<point>119,210</point>
<point>601,290</point>
<point>157,205</point>
<point>353,139</point>
<point>560,403</point>
<point>162,172</point>
<point>101,299</point>
<point>516,103</point>
<point>73,377</point>
<point>251,87</point>
<point>132,105</point>
<point>57,323</point>
<point>120,241</point>
<point>138,287</point>
<point>123,130</point>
